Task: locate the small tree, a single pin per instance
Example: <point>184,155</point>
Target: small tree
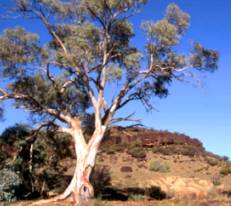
<point>89,51</point>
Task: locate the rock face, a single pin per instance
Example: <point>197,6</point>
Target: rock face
<point>150,138</point>
<point>180,187</point>
<point>9,184</point>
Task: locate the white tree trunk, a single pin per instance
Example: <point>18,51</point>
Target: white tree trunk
<point>80,186</point>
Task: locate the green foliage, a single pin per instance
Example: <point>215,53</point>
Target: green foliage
<point>178,18</point>
<point>162,32</point>
<point>72,100</point>
<point>112,148</point>
<point>212,161</point>
<point>114,73</point>
<point>91,40</point>
<point>157,166</point>
<point>187,150</point>
<point>203,58</point>
<point>17,48</point>
<point>226,170</point>
<point>166,32</point>
<point>41,173</point>
<point>132,60</point>
<point>137,152</point>
<point>10,185</point>
<point>100,203</point>
<point>15,134</point>
<point>137,197</point>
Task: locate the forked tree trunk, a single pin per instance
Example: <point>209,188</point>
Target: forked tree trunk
<point>80,187</point>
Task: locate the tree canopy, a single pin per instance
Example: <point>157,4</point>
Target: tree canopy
<point>90,48</point>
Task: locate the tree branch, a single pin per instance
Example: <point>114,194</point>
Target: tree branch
<point>126,119</point>
<point>45,21</point>
<point>4,95</point>
<point>65,118</point>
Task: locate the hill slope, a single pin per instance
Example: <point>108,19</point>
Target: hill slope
<point>138,163</point>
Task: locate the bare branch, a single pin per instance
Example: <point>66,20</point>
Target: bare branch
<point>65,85</point>
<point>49,76</point>
<point>125,119</point>
<point>90,91</point>
<point>105,105</point>
<point>54,83</point>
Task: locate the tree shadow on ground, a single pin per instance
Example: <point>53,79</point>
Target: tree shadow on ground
<point>113,193</point>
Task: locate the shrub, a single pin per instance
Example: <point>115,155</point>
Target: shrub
<point>163,150</point>
<point>15,133</point>
<point>43,168</point>
<point>186,150</point>
<point>212,161</point>
<point>112,149</point>
<point>204,204</point>
<point>137,152</point>
<point>137,197</point>
<point>225,170</point>
<point>157,166</point>
<point>100,203</point>
<point>10,183</point>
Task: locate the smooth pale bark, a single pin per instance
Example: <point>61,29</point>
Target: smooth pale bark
<point>80,187</point>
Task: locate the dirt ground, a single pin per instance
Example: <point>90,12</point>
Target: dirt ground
<point>69,202</point>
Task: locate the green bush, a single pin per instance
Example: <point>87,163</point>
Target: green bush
<point>43,170</point>
<point>112,148</point>
<point>136,197</point>
<point>157,166</point>
<point>225,170</point>
<point>100,203</point>
<point>15,133</point>
<point>137,152</point>
<point>10,184</point>
<point>212,161</point>
<point>186,150</point>
<point>163,150</point>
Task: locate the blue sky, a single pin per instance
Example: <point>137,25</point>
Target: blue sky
<point>201,112</point>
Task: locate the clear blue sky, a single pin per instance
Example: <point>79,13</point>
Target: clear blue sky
<point>200,112</point>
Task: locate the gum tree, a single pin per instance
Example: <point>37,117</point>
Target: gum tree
<point>89,52</point>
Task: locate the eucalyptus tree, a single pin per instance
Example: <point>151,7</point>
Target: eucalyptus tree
<point>89,52</point>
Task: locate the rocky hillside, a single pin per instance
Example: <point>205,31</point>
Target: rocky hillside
<point>134,164</point>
